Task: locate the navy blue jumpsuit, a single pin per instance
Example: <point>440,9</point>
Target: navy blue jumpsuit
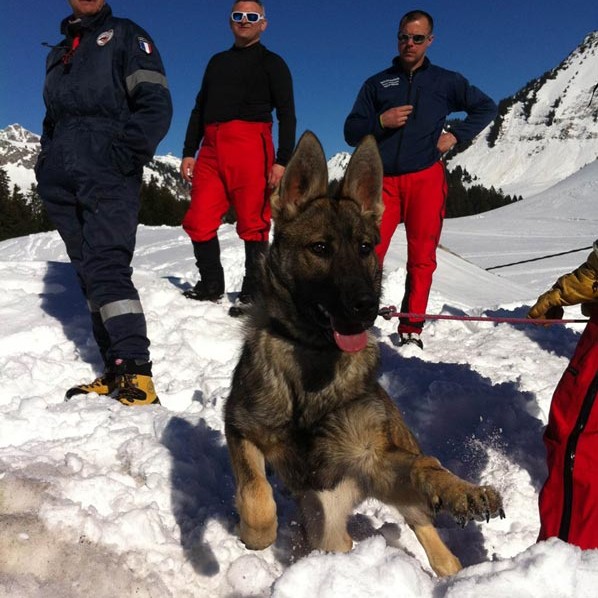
<point>107,108</point>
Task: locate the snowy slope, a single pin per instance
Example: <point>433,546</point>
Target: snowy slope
<point>563,218</point>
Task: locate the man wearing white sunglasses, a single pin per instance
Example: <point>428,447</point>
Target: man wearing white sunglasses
<point>231,125</point>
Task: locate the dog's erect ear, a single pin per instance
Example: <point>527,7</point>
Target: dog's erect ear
<point>305,177</point>
<point>363,178</point>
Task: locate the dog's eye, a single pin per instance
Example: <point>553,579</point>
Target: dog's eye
<point>365,249</point>
<point>320,248</point>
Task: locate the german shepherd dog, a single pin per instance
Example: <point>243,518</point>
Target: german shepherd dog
<point>305,396</point>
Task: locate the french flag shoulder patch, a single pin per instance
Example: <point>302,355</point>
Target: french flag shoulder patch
<point>145,45</point>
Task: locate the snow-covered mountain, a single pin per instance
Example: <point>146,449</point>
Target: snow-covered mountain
<point>337,165</point>
<point>18,153</point>
<point>545,132</point>
<point>19,149</point>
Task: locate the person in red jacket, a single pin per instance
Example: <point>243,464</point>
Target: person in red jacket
<point>569,498</point>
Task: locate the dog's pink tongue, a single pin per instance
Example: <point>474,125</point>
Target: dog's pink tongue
<point>351,343</point>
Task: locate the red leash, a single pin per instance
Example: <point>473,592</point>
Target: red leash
<point>391,312</point>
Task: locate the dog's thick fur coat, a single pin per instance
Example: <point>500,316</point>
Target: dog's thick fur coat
<point>305,396</point>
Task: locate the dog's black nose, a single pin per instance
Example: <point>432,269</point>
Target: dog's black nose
<point>365,306</point>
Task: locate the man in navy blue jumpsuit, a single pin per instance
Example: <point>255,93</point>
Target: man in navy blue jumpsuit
<point>107,108</point>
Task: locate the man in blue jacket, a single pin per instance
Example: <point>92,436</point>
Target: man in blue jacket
<point>405,107</point>
<point>107,108</point>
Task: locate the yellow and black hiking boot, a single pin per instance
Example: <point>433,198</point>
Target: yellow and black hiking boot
<point>134,384</point>
<point>103,385</point>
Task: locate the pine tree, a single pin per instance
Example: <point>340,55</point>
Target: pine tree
<point>4,205</point>
<point>15,215</point>
<point>159,206</point>
<point>41,220</point>
<point>475,199</point>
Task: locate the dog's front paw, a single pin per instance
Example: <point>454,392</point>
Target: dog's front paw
<point>466,501</point>
<point>257,538</point>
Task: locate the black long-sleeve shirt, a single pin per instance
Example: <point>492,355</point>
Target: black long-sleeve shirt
<point>245,84</point>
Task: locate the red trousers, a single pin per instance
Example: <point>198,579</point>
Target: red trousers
<point>232,167</point>
<point>569,498</point>
<point>418,200</point>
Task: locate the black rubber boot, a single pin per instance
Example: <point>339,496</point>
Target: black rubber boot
<point>210,287</point>
<point>254,252</point>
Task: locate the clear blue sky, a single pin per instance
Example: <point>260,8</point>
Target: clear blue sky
<point>330,46</point>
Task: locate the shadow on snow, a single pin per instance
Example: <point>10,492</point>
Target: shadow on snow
<point>63,300</point>
<point>456,414</point>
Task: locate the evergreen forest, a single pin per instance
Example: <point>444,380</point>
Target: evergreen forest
<point>22,212</point>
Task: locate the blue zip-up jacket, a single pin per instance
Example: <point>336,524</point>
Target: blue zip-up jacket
<point>434,93</point>
<point>113,83</point>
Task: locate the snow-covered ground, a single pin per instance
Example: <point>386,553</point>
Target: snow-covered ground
<point>560,219</point>
<point>98,499</point>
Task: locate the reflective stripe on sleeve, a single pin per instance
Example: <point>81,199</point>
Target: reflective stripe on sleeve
<point>120,308</point>
<point>145,76</point>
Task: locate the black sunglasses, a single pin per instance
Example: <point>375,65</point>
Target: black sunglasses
<point>252,17</point>
<point>418,38</point>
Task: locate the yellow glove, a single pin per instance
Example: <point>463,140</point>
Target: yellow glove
<point>580,286</point>
<point>548,306</point>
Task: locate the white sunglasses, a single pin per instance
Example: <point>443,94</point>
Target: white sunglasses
<point>251,17</point>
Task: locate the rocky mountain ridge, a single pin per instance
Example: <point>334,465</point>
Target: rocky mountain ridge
<point>544,133</point>
<point>19,149</point>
